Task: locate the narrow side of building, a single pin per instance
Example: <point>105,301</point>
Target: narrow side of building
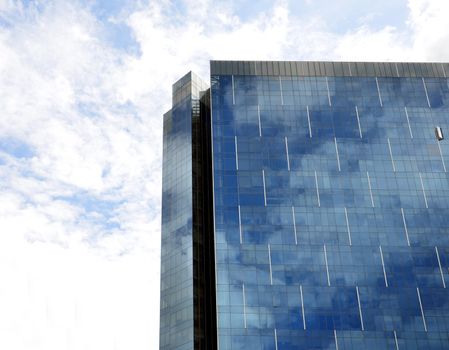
<point>187,276</point>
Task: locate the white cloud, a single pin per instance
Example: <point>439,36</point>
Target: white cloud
<point>362,44</point>
<point>423,39</point>
<point>79,245</point>
<point>9,5</point>
<point>428,20</point>
<point>77,273</point>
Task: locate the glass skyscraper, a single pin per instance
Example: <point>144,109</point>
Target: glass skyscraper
<point>306,206</point>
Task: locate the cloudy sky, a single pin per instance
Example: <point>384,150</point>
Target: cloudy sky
<point>83,86</point>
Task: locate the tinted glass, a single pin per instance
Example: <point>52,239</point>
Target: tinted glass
<point>331,212</point>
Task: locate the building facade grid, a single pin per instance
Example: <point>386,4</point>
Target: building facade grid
<point>331,199</point>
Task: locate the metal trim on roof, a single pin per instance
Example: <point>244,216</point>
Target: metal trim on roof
<point>330,69</point>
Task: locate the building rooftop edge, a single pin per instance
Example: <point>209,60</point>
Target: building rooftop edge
<point>330,68</point>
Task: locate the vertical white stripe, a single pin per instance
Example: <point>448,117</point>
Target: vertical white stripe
<point>264,190</point>
<point>302,308</point>
<point>397,70</point>
<point>391,154</point>
<point>255,68</point>
<point>444,71</point>
<point>441,269</point>
<point>370,191</point>
<point>422,310</point>
<point>327,266</point>
<point>308,119</point>
<point>405,226</point>
<point>347,225</point>
<point>350,71</point>
<point>275,339</point>
<point>408,122</point>
<point>286,151</point>
<point>328,92</point>
<point>317,189</point>
<point>258,118</point>
<point>396,340</point>
<point>240,226</point>
<point>441,155</point>
<point>336,340</point>
<point>423,190</point>
<point>360,308</point>
<point>280,87</point>
<point>294,224</point>
<point>338,156</point>
<point>236,154</point>
<point>269,262</point>
<point>358,120</point>
<point>244,304</point>
<point>383,266</point>
<point>233,93</point>
<point>425,90</point>
<point>378,91</point>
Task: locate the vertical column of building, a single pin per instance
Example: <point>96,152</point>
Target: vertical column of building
<point>176,314</point>
<point>187,304</point>
<point>203,242</point>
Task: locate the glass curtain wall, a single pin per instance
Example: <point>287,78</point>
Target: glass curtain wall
<point>182,318</point>
<point>331,199</point>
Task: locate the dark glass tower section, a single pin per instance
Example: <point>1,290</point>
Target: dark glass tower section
<point>328,227</point>
<point>187,319</point>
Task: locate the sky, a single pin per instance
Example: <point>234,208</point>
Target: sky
<point>83,86</point>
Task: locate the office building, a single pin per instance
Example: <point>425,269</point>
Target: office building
<point>306,206</point>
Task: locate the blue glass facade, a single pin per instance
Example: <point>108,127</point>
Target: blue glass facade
<point>331,212</point>
<point>331,205</point>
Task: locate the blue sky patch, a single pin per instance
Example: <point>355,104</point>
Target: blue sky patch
<point>16,148</point>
